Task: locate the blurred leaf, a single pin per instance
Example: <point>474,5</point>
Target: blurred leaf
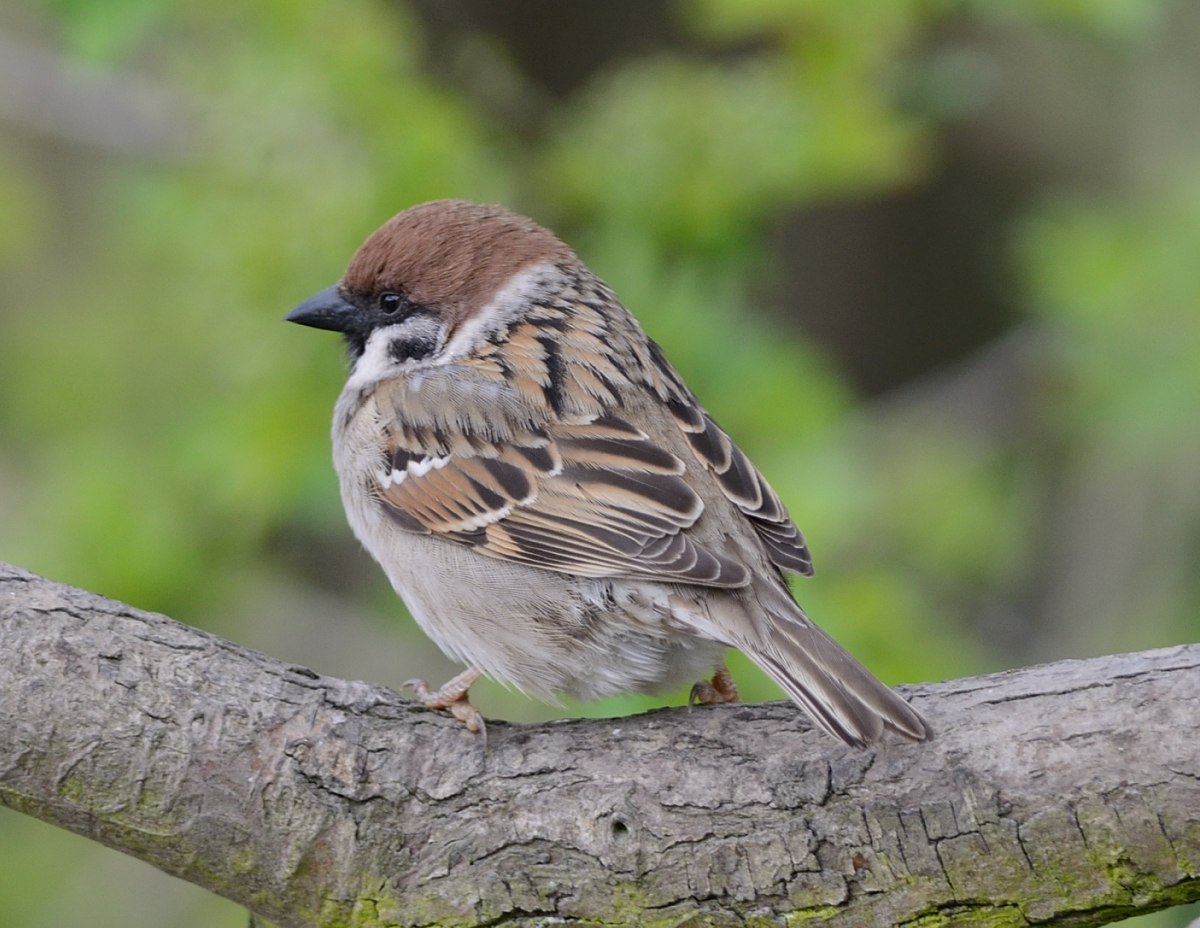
<point>1121,287</point>
<point>705,151</point>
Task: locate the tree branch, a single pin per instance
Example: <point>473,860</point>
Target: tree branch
<point>1065,794</point>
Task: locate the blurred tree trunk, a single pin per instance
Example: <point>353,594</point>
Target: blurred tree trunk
<point>1063,794</point>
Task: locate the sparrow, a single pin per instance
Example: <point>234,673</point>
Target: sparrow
<point>555,507</point>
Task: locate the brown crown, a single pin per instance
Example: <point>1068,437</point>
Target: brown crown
<point>451,255</point>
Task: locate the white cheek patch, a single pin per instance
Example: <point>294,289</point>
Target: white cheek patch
<point>375,363</point>
<point>417,467</point>
<point>393,349</point>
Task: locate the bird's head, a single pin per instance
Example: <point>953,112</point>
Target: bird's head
<point>435,281</point>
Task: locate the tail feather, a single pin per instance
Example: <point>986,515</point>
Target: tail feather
<point>841,696</point>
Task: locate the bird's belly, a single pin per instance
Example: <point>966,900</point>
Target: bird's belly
<point>545,633</point>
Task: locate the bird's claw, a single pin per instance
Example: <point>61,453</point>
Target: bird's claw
<point>451,696</point>
<point>720,689</point>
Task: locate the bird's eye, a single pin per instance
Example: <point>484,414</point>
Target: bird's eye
<point>390,303</point>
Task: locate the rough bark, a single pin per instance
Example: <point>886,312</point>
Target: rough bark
<point>1066,794</point>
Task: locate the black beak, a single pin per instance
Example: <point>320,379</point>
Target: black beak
<point>325,310</point>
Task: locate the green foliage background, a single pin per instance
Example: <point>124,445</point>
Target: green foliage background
<point>164,436</point>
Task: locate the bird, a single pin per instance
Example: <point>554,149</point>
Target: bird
<point>546,495</point>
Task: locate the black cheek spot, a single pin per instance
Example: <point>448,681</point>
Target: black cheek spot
<point>410,349</point>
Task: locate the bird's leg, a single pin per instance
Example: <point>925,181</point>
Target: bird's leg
<point>452,695</point>
<point>719,689</point>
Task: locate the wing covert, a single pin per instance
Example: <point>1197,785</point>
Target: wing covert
<point>744,485</point>
<point>591,496</point>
